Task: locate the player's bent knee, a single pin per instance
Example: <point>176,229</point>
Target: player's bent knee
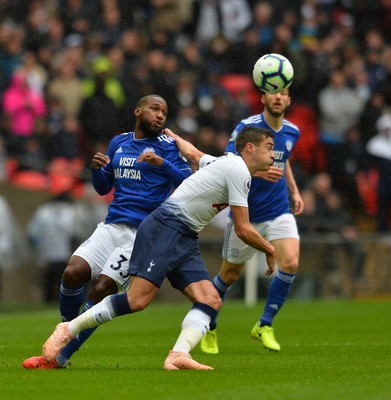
<point>76,274</point>
<point>211,300</point>
<point>103,288</point>
<point>290,266</point>
<point>217,303</point>
<point>138,304</point>
<point>231,276</point>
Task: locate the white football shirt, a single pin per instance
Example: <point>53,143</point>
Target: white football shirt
<point>224,181</point>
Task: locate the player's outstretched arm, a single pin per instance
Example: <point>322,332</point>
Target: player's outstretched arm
<point>189,151</point>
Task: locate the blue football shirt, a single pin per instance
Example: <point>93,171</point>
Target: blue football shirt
<point>139,188</point>
<point>269,200</point>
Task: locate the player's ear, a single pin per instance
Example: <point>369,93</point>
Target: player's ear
<point>137,111</point>
<point>250,146</point>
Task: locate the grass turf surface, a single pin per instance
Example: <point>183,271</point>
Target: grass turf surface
<point>329,350</point>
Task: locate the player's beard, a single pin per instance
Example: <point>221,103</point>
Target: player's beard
<point>148,130</point>
<point>275,114</point>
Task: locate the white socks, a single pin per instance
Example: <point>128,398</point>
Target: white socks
<point>194,326</point>
<point>97,315</point>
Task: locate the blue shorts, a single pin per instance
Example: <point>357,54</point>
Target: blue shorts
<point>161,251</point>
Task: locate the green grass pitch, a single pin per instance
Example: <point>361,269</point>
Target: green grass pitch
<point>329,350</point>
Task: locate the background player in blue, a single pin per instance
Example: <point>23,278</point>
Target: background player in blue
<point>273,198</point>
<point>166,247</point>
<point>144,167</point>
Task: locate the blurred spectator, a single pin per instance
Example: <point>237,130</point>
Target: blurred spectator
<point>308,222</point>
<point>36,75</point>
<point>371,113</point>
<point>65,86</point>
<point>13,248</point>
<point>100,118</point>
<point>246,53</point>
<point>325,212</point>
<point>38,18</point>
<point>75,53</point>
<point>206,141</point>
<point>355,161</point>
<point>162,40</point>
<point>78,15</point>
<point>212,18</point>
<point>263,25</point>
<point>23,108</point>
<point>184,107</point>
<point>109,26</point>
<point>154,61</point>
<point>374,47</point>
<point>62,135</point>
<point>32,156</point>
<point>168,15</point>
<point>191,59</point>
<point>50,232</point>
<point>339,110</point>
<point>54,38</point>
<point>103,72</point>
<point>220,115</point>
<point>90,210</point>
<point>11,51</point>
<point>379,148</point>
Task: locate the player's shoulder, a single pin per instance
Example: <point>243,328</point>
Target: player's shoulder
<point>206,159</point>
<point>233,160</point>
<point>256,119</point>
<point>122,137</point>
<point>290,127</point>
<point>166,141</point>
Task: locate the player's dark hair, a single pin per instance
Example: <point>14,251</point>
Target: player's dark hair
<point>251,134</point>
<point>146,99</point>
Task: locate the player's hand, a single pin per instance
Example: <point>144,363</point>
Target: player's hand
<point>271,261</point>
<point>99,160</point>
<point>151,158</point>
<point>297,204</point>
<point>273,174</point>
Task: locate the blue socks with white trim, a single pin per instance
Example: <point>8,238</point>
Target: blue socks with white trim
<point>277,294</point>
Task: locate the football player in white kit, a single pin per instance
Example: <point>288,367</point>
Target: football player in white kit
<point>166,247</point>
<point>140,187</point>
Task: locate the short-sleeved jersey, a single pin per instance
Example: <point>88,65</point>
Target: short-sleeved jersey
<point>139,187</point>
<point>269,200</point>
<point>221,183</point>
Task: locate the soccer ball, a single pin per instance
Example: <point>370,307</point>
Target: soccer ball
<point>272,73</point>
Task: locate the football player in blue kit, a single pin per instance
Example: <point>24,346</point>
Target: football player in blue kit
<point>166,246</point>
<point>143,167</point>
<point>273,201</point>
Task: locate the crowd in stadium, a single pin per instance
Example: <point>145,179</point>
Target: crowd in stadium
<point>71,72</point>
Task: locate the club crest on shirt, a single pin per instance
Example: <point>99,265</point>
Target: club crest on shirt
<point>149,150</point>
<point>289,145</point>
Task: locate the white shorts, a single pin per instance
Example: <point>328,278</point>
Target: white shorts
<point>236,251</point>
<point>108,252</point>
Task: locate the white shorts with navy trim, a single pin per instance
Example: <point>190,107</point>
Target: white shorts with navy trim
<point>236,251</point>
<point>108,252</point>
